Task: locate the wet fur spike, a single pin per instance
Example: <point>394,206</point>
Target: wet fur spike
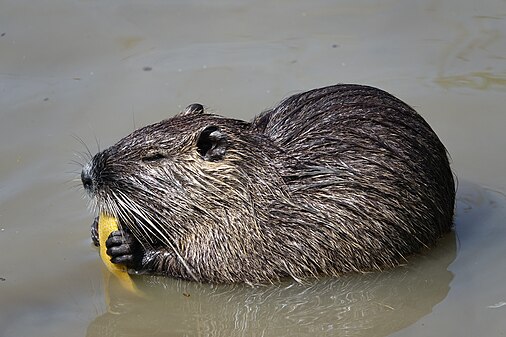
<point>339,179</point>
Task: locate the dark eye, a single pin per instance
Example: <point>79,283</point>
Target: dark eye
<point>153,157</point>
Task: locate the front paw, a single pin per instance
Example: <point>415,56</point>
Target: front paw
<point>123,249</point>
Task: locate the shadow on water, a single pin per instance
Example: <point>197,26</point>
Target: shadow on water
<point>374,304</point>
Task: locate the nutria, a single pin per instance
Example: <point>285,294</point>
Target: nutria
<point>345,178</point>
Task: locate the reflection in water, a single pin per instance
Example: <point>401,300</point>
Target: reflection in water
<point>481,80</point>
<point>465,61</point>
<point>374,304</point>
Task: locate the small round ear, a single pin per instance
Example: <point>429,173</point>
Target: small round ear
<point>212,144</point>
<point>191,109</point>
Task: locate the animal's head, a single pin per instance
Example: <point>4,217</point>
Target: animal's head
<point>176,179</point>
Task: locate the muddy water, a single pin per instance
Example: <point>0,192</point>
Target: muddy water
<point>96,70</point>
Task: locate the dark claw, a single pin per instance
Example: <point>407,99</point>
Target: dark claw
<point>116,238</point>
<point>122,249</point>
<point>127,260</point>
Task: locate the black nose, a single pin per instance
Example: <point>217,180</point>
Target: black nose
<point>86,178</point>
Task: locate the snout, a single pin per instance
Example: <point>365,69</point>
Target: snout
<point>87,178</point>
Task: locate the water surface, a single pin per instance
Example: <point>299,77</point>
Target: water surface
<point>97,70</point>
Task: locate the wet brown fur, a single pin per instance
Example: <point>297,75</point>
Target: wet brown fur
<point>339,179</point>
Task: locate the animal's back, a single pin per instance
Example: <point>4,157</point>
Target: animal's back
<point>370,176</point>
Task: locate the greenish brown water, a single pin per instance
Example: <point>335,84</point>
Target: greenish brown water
<point>96,70</point>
